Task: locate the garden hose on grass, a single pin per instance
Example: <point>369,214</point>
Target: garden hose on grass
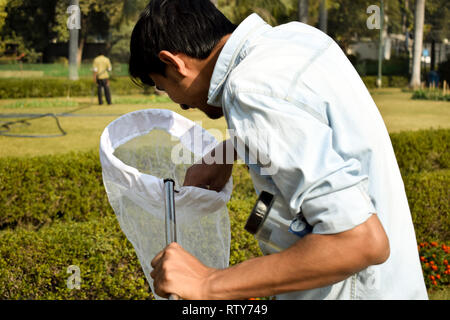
<point>5,126</point>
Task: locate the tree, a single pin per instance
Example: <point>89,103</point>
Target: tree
<point>273,12</point>
<point>347,20</point>
<point>303,7</point>
<point>419,17</point>
<point>73,39</point>
<point>323,16</point>
<point>436,25</point>
<point>3,13</point>
<point>28,23</point>
<point>98,18</point>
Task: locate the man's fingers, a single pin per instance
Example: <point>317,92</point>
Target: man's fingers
<point>160,255</point>
<point>157,258</point>
<point>160,273</point>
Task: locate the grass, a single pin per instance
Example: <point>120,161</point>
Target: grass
<point>399,112</point>
<point>53,70</point>
<point>84,129</point>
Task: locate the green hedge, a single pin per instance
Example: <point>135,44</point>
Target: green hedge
<point>57,87</point>
<point>396,66</point>
<point>387,81</point>
<point>33,264</point>
<point>38,191</point>
<point>422,150</point>
<point>54,213</point>
<point>54,87</point>
<point>428,197</point>
<point>430,94</point>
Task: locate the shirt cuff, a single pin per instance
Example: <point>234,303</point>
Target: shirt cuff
<point>338,211</point>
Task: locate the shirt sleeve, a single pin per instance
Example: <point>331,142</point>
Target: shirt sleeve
<point>293,149</point>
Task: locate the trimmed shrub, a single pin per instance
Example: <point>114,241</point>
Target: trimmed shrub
<point>430,94</point>
<point>15,88</point>
<point>55,87</point>
<point>34,264</point>
<point>396,66</point>
<point>398,81</point>
<point>428,197</point>
<point>387,81</point>
<point>243,245</point>
<point>38,191</point>
<point>423,150</point>
<point>371,81</point>
<point>54,213</point>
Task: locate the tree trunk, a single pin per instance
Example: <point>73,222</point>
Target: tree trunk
<point>303,10</point>
<point>433,54</point>
<point>73,43</point>
<point>323,16</point>
<point>80,50</point>
<point>419,16</point>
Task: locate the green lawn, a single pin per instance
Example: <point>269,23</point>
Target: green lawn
<point>53,70</point>
<point>83,132</point>
<point>401,113</point>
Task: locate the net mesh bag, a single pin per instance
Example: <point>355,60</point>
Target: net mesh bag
<point>137,152</point>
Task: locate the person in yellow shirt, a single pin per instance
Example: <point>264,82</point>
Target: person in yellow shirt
<point>102,67</point>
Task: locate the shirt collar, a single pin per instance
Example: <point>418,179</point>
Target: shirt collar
<point>228,56</point>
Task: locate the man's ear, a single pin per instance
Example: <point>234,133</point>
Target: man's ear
<point>173,60</point>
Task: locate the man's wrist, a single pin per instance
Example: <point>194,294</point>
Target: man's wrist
<point>210,287</point>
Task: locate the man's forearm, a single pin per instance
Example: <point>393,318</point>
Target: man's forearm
<point>313,262</point>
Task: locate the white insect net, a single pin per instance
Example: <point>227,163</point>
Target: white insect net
<point>137,152</point>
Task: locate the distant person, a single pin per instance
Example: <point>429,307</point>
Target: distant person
<point>101,67</point>
<point>433,79</point>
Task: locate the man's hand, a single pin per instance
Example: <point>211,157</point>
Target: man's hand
<point>208,176</point>
<point>176,271</point>
<point>214,170</point>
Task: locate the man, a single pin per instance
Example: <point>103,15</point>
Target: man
<point>327,142</point>
<point>101,67</point>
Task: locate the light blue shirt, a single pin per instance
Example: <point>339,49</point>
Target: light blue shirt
<point>308,128</point>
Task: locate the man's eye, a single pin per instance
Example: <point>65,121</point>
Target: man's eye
<point>160,89</point>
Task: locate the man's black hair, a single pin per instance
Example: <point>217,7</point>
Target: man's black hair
<point>192,27</point>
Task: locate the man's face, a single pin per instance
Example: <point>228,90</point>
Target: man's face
<point>186,92</point>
